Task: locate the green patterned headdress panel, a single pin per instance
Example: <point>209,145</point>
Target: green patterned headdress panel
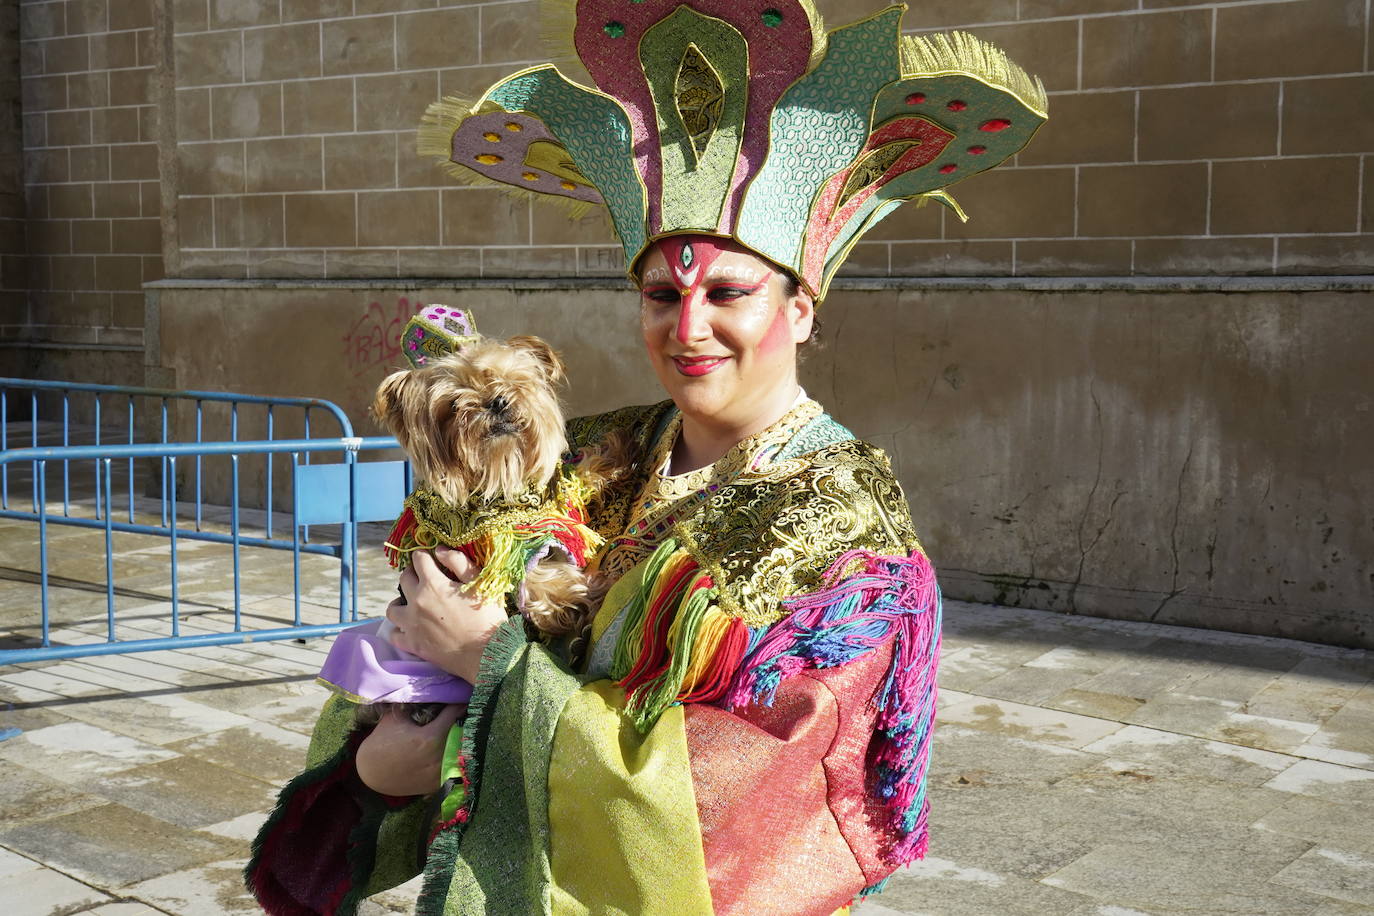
<point>744,119</point>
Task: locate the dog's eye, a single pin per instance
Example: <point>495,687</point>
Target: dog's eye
<point>497,405</point>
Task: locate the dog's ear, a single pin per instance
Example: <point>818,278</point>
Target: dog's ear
<point>388,403</point>
<point>553,366</point>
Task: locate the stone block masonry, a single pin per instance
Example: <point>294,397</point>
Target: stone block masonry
<point>91,195</point>
<point>1207,139</point>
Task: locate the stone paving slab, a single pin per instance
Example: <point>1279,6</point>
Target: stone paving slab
<point>45,891</point>
<point>260,750</point>
<point>1330,781</point>
<point>1080,767</point>
<point>1332,873</point>
<point>112,846</point>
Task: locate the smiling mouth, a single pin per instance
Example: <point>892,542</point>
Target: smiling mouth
<point>698,365</point>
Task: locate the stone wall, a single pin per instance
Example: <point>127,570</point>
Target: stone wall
<point>14,306</point>
<point>1215,139</point>
<point>91,175</point>
<point>296,137</point>
<point>1197,139</point>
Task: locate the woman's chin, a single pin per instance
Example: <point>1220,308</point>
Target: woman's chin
<point>697,398</point>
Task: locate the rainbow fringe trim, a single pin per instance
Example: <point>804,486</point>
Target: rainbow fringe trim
<point>676,645</point>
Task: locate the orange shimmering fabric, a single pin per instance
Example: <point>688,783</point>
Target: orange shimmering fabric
<point>788,824</point>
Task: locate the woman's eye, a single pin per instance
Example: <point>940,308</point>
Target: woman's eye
<point>661,295</point>
<point>727,293</point>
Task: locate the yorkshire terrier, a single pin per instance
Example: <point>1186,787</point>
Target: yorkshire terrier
<point>484,432</point>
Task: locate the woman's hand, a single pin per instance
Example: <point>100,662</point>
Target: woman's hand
<point>402,758</point>
<point>442,620</point>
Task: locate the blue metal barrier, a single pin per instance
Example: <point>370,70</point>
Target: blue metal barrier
<point>343,493</point>
<point>157,406</point>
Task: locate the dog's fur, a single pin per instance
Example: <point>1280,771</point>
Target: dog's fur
<point>485,422</point>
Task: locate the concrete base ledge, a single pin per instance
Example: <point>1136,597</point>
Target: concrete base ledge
<point>1191,451</point>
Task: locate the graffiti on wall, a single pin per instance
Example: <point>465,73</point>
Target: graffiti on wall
<point>375,338</point>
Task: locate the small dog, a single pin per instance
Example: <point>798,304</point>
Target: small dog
<point>484,431</point>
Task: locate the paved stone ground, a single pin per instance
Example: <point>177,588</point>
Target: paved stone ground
<point>1081,766</point>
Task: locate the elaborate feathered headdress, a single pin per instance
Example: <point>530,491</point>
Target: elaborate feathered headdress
<point>744,119</point>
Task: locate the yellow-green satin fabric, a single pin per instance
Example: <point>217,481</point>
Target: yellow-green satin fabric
<point>623,827</point>
<point>619,595</point>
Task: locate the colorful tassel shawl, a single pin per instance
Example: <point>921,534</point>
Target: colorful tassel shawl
<point>866,601</point>
<point>677,646</point>
<point>503,543</point>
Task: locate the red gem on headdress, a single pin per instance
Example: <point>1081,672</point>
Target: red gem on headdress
<point>957,105</point>
<point>916,98</point>
<point>946,169</point>
<point>995,125</point>
<point>977,150</point>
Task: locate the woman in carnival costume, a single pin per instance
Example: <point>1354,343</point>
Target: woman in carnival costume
<point>748,731</point>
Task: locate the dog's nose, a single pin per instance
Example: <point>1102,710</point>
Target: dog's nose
<point>498,405</point>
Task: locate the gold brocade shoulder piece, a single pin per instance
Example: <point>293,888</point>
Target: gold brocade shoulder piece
<point>753,451</point>
<point>770,532</point>
<point>662,493</point>
<point>609,511</point>
<point>773,536</point>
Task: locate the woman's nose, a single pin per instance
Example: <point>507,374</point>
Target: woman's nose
<point>691,320</point>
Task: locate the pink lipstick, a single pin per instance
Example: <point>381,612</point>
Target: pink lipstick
<point>698,365</point>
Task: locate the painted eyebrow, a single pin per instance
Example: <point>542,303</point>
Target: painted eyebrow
<point>717,273</point>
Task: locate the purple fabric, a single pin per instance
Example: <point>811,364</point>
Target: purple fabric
<point>472,139</point>
<point>363,665</point>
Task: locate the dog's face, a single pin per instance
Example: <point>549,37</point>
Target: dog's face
<point>482,422</point>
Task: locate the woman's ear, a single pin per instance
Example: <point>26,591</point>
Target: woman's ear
<point>802,312</point>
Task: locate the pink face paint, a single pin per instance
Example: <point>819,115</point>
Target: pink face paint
<point>683,333</point>
<point>689,260</point>
<point>778,335</point>
<point>690,257</point>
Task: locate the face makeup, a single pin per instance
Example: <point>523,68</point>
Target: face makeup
<point>720,331</point>
<point>695,269</point>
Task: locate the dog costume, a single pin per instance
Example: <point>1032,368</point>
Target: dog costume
<point>505,537</point>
